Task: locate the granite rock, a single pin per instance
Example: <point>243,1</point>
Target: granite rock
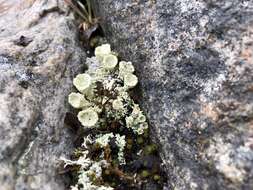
<point>39,56</point>
<point>194,59</point>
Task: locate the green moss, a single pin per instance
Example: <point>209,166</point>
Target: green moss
<point>156,177</point>
<point>145,173</point>
<point>140,140</point>
<point>150,149</point>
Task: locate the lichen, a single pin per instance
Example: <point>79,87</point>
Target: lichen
<point>89,172</point>
<point>137,120</point>
<point>102,51</point>
<point>118,104</point>
<point>82,82</point>
<point>105,105</point>
<point>109,61</point>
<point>130,80</point>
<point>77,100</point>
<point>103,141</point>
<point>88,117</point>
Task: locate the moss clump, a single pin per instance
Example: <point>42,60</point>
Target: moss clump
<point>157,177</point>
<point>117,150</point>
<point>144,173</point>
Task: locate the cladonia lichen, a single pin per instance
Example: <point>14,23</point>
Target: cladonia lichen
<point>104,104</point>
<point>106,88</point>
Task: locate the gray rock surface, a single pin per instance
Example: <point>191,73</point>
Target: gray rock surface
<point>39,56</point>
<point>195,63</point>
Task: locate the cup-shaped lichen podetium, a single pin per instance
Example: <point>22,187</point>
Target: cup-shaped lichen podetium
<point>125,68</point>
<point>109,61</point>
<point>88,117</point>
<point>102,50</point>
<point>82,82</point>
<point>77,100</point>
<point>141,118</point>
<point>117,104</point>
<point>130,80</point>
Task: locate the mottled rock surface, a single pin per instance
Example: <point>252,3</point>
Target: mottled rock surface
<point>195,63</point>
<point>39,56</point>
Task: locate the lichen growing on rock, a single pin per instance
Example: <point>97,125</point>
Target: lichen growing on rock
<point>102,89</point>
<point>111,155</point>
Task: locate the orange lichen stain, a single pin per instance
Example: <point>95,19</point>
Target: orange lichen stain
<point>249,139</point>
<point>17,5</point>
<point>30,1</point>
<point>25,4</point>
<point>247,46</point>
<point>247,54</point>
<point>208,110</point>
<point>250,89</point>
<point>250,126</point>
<point>4,7</point>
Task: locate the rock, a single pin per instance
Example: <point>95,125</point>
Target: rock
<point>39,56</point>
<point>195,63</point>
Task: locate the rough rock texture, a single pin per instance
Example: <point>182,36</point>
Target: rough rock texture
<point>39,55</point>
<point>195,63</point>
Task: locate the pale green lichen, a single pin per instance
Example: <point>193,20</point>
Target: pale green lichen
<point>104,100</point>
<point>88,117</point>
<point>121,143</point>
<point>82,161</point>
<point>89,172</point>
<point>130,80</point>
<point>77,100</point>
<point>102,50</point>
<point>82,82</point>
<point>109,83</point>
<point>137,120</point>
<point>118,104</point>
<point>125,68</point>
<point>109,61</point>
<point>103,140</point>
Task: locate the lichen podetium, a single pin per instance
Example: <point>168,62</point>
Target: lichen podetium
<point>119,152</point>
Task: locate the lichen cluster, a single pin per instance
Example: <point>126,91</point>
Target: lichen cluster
<point>104,104</point>
<point>103,93</point>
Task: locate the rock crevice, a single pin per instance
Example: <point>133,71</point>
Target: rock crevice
<point>39,56</point>
<point>194,60</point>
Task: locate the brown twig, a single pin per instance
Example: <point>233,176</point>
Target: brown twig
<point>121,174</point>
